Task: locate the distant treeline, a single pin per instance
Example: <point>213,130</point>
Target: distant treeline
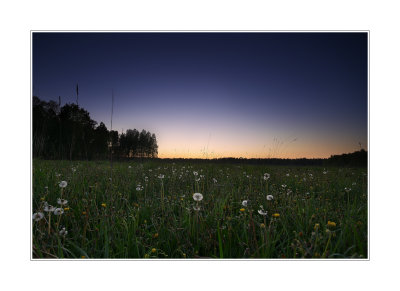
<point>68,132</point>
<point>356,159</point>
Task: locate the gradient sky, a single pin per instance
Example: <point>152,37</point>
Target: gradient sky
<point>253,95</point>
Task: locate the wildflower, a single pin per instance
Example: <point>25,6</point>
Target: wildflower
<point>139,187</point>
<point>266,176</point>
<point>155,235</point>
<point>195,173</point>
<point>146,256</point>
<point>84,212</point>
<point>276,215</point>
<point>104,205</point>
<point>153,250</point>
<point>184,255</point>
<point>66,208</point>
<point>63,232</point>
<point>215,180</point>
<point>354,184</point>
<point>284,186</point>
<point>62,202</point>
<point>83,257</point>
<point>63,184</point>
<point>42,199</point>
<point>262,212</point>
<point>325,172</point>
<point>347,189</point>
<point>196,208</point>
<point>129,167</point>
<point>73,170</point>
<point>161,176</point>
<point>197,196</point>
<point>37,216</point>
<point>270,197</point>
<point>58,211</point>
<point>331,223</point>
<point>287,175</point>
<point>262,225</point>
<point>316,226</point>
<point>242,209</point>
<point>244,203</point>
<point>48,208</point>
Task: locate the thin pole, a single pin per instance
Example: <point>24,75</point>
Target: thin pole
<point>77,94</point>
<point>112,110</point>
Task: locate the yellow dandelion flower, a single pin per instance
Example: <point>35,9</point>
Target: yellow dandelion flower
<point>184,255</point>
<point>331,223</point>
<point>84,212</point>
<point>42,199</point>
<point>242,209</point>
<point>153,250</point>
<point>66,208</point>
<point>155,235</point>
<point>104,205</point>
<point>146,256</point>
<point>262,225</point>
<point>276,215</point>
<point>316,226</point>
<point>83,257</point>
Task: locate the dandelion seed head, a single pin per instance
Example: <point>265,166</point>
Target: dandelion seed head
<point>262,212</point>
<point>37,216</point>
<point>58,211</point>
<point>63,184</point>
<point>197,196</point>
<point>62,201</point>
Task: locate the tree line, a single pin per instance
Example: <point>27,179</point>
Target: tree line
<point>68,132</point>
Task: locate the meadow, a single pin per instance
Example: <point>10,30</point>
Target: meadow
<point>154,209</point>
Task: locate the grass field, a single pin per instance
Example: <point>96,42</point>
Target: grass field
<point>147,210</point>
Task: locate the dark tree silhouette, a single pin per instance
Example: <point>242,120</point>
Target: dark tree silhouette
<point>69,133</point>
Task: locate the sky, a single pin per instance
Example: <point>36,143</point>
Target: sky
<point>213,95</point>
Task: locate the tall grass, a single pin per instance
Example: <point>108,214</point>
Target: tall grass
<point>115,220</point>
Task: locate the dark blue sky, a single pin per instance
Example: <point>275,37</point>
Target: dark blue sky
<point>227,94</point>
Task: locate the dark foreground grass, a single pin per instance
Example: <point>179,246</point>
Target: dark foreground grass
<point>147,211</point>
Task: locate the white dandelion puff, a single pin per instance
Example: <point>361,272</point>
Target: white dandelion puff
<point>244,203</point>
<point>197,196</point>
<point>58,211</point>
<point>63,184</point>
<point>196,208</point>
<point>62,202</point>
<point>262,212</point>
<point>270,197</point>
<point>63,232</point>
<point>37,216</point>
<point>48,208</point>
